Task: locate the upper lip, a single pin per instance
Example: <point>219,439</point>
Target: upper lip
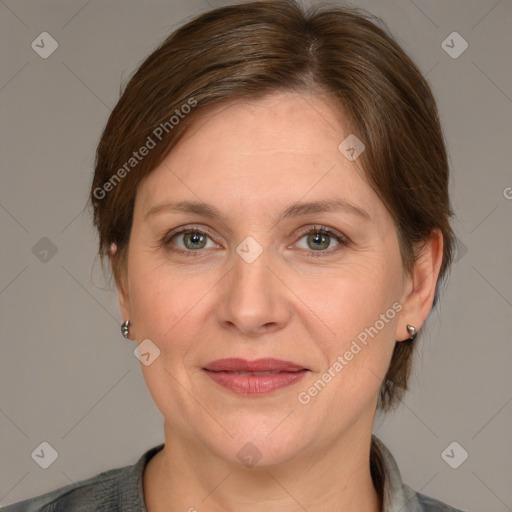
<point>268,364</point>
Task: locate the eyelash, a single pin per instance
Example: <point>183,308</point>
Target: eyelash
<point>342,240</point>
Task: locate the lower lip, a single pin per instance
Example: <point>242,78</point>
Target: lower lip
<point>255,384</point>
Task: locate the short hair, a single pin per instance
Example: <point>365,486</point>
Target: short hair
<point>247,51</point>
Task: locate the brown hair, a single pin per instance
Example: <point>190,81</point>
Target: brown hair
<point>249,50</point>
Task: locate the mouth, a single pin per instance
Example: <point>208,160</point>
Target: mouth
<point>264,365</point>
<point>258,377</point>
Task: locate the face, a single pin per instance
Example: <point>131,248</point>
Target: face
<point>319,289</point>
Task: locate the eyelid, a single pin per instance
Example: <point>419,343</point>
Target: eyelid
<point>341,239</point>
<point>324,229</point>
<point>168,236</point>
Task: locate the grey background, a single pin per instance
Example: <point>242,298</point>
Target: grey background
<point>68,378</point>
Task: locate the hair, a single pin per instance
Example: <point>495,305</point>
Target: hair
<point>247,51</point>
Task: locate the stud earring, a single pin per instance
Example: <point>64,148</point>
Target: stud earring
<point>125,328</point>
<point>412,332</point>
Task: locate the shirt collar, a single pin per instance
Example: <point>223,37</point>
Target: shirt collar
<point>396,497</point>
<point>130,490</point>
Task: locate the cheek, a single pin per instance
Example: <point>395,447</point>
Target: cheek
<point>165,308</point>
<point>161,304</point>
<point>361,310</point>
<point>352,299</point>
<point>168,304</point>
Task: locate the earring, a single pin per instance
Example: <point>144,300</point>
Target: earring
<point>412,332</point>
<point>125,328</point>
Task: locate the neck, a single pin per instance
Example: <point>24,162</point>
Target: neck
<point>185,476</point>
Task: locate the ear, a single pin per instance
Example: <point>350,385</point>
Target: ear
<point>122,286</point>
<point>420,286</point>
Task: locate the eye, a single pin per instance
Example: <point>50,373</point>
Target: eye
<point>318,239</point>
<point>189,241</point>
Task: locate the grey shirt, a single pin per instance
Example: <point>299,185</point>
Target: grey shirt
<point>120,490</point>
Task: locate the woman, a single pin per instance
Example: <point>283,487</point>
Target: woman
<point>271,191</point>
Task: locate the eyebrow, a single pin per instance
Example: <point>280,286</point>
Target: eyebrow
<point>291,211</point>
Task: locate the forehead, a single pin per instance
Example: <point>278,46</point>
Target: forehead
<point>273,150</point>
<point>290,122</point>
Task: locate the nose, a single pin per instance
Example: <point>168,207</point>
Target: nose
<point>252,299</point>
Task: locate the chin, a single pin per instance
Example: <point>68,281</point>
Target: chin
<point>259,443</point>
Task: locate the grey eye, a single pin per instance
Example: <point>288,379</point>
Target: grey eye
<point>193,240</point>
<point>318,241</point>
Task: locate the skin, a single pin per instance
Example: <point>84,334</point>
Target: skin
<point>284,304</point>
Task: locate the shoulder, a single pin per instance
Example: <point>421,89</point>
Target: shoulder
<point>421,502</point>
<point>115,490</point>
<point>83,495</point>
<point>396,495</point>
<point>95,493</point>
